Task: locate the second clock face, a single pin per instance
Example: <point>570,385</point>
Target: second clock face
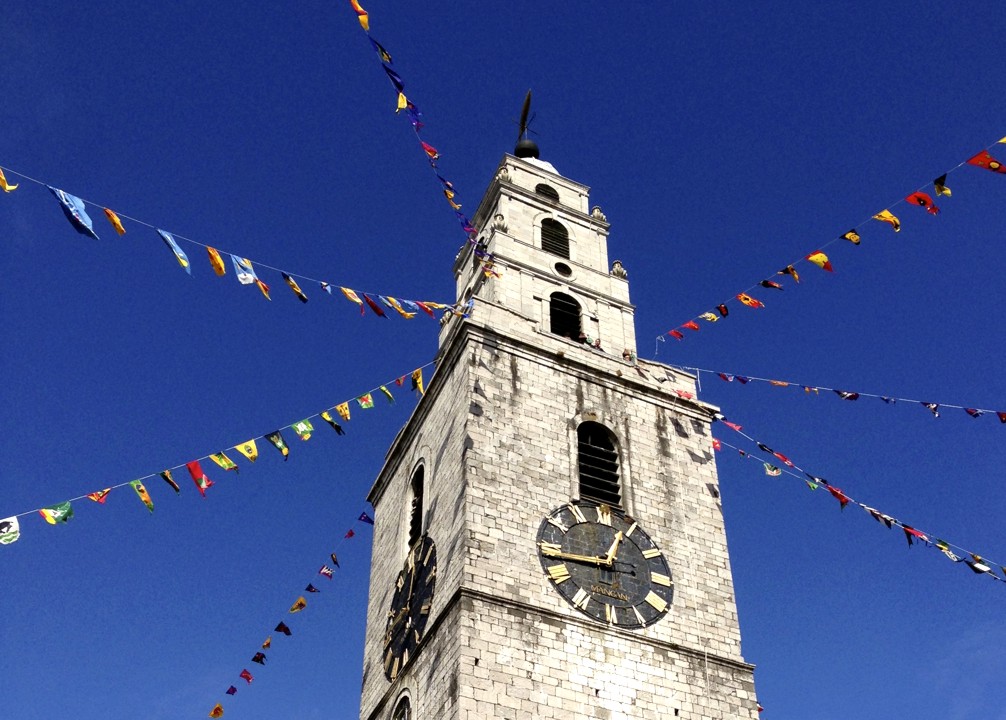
<point>605,565</point>
<point>410,606</point>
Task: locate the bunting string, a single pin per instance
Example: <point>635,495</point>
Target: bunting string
<point>934,408</point>
<point>75,209</point>
<point>979,564</point>
<point>10,530</point>
<point>919,198</point>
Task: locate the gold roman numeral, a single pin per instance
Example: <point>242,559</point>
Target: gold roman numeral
<point>558,523</point>
<point>429,553</point>
<point>559,573</point>
<point>581,599</point>
<point>550,548</point>
<point>656,602</point>
<point>639,618</point>
<point>651,553</point>
<point>632,528</point>
<point>425,609</point>
<point>577,513</point>
<point>609,615</point>
<point>659,579</point>
<point>604,514</point>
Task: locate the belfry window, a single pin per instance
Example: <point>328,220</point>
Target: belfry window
<point>547,191</point>
<point>554,238</point>
<point>416,508</point>
<point>598,464</point>
<point>403,710</point>
<point>564,317</point>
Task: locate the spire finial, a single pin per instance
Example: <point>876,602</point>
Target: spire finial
<point>526,147</point>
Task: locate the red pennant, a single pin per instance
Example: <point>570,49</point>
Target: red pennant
<point>676,334</point>
<point>983,159</point>
<point>838,495</point>
<point>923,200</point>
<point>691,325</point>
<point>374,306</point>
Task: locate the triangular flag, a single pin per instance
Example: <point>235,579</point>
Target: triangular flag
<point>141,492</point>
<point>180,255</point>
<point>311,588</point>
<point>771,470</point>
<point>361,15</point>
<point>395,78</point>
<point>249,449</point>
<point>889,218</point>
<point>299,605</point>
<point>326,571</point>
<point>259,658</point>
<point>246,676</point>
<point>73,208</point>
<point>417,381</point>
<point>394,304</point>
<point>304,428</point>
<point>430,151</point>
<point>387,394</point>
<point>845,395</point>
<point>4,185</point>
<point>365,518</point>
<point>983,159</point>
<point>923,200</point>
<point>199,477</point>
<point>225,462</point>
<point>771,284</point>
<point>231,690</point>
<point>934,408</point>
<point>353,297</point>
<point>267,643</point>
<point>791,271</point>
<point>708,316</point>
<point>116,222</point>
<point>750,301</point>
<point>350,533</point>
<point>843,500</point>
<point>100,496</point>
<point>366,401</point>
<point>216,262</point>
<point>263,288</point>
<point>852,236</point>
<point>279,443</point>
<point>10,530</point>
<point>59,513</point>
<point>243,270</point>
<point>282,628</point>
<point>218,710</point>
<point>166,476</point>
<point>384,54</point>
<point>973,412</point>
<point>821,260</point>
<point>374,306</point>
<point>940,186</point>
<point>335,560</point>
<point>327,417</point>
<point>677,334</point>
<point>691,325</point>
<point>295,287</point>
<point>343,410</point>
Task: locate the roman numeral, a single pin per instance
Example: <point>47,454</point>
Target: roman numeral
<point>656,602</point>
<point>577,513</point>
<point>651,553</point>
<point>659,579</point>
<point>604,514</point>
<point>558,523</point>
<point>559,573</point>
<point>581,599</point>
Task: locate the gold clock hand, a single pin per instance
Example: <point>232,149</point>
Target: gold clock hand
<point>609,558</point>
<point>553,551</point>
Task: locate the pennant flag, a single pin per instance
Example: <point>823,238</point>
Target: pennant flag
<point>722,310</point>
<point>267,643</point>
<point>304,428</point>
<point>326,571</point>
<point>264,288</point>
<point>940,186</point>
<point>449,194</point>
<point>335,560</point>
<point>225,462</point>
<point>60,513</point>
<point>259,658</point>
<point>417,381</point>
<point>684,394</point>
<point>343,410</point>
<point>10,529</point>
<point>717,445</point>
<point>708,316</point>
<point>246,676</point>
<point>808,389</point>
<point>852,236</point>
<point>218,710</point>
<point>141,492</point>
<point>838,495</point>
<point>395,79</point>
<point>430,151</point>
<point>821,260</point>
<point>100,496</point>
<point>880,517</point>
<point>791,271</point>
<point>911,532</point>
<point>973,412</point>
<point>231,690</point>
<point>249,449</point>
<point>4,185</point>
<point>743,380</point>
<point>778,383</point>
<point>847,395</point>
<point>425,308</point>
<point>691,325</point>
<point>299,605</point>
<point>361,15</point>
<point>279,443</point>
<point>365,518</point>
<point>812,486</point>
<point>326,287</point>
<point>166,476</point>
<point>366,401</point>
<point>945,549</point>
<point>387,394</point>
<point>216,262</point>
<point>352,296</point>
<point>732,426</point>
<point>726,377</point>
<point>327,417</point>
<point>116,222</point>
<point>772,470</point>
<point>374,306</point>
<point>934,408</point>
<point>350,533</point>
<point>243,270</point>
<point>180,255</point>
<point>199,477</point>
<point>888,400</point>
<point>394,304</point>
<point>400,381</point>
<point>73,208</point>
<point>295,287</point>
<point>1001,416</point>
<point>750,301</point>
<point>889,218</point>
<point>816,479</point>
<point>676,334</point>
<point>983,159</point>
<point>282,628</point>
<point>379,49</point>
<point>311,588</point>
<point>772,284</point>
<point>923,200</point>
<point>977,566</point>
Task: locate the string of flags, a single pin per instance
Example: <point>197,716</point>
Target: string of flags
<point>62,512</point>
<point>781,464</point>
<point>431,153</point>
<point>934,408</point>
<point>246,272</point>
<point>919,198</point>
<point>260,657</point>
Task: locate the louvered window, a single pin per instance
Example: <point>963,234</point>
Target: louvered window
<point>554,238</point>
<point>416,511</point>
<point>547,191</point>
<point>403,711</point>
<point>564,316</point>
<point>598,461</point>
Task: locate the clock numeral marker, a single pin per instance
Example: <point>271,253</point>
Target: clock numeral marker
<point>651,553</point>
<point>425,609</point>
<point>550,548</point>
<point>558,523</point>
<point>429,553</point>
<point>604,514</point>
<point>577,513</point>
<point>659,579</point>
<point>581,599</point>
<point>559,573</point>
<point>410,561</point>
<point>639,618</point>
<point>418,638</point>
<point>632,529</point>
<point>405,656</point>
<point>394,669</point>
<point>609,615</point>
<point>387,659</point>
<point>401,581</point>
<point>657,602</point>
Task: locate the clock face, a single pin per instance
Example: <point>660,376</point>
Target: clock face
<point>410,606</point>
<point>605,565</point>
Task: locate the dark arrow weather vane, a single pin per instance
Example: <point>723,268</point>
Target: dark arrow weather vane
<point>526,147</point>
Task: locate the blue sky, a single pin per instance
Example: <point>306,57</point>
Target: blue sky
<point>722,142</point>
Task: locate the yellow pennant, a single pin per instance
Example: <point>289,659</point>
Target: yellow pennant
<point>853,237</point>
<point>449,194</point>
<point>216,262</point>
<point>399,309</point>
<point>264,288</point>
<point>7,187</point>
<point>343,410</point>
<point>295,287</point>
<point>223,461</point>
<point>403,102</point>
<point>709,316</point>
<point>116,222</point>
<point>299,605</point>
<point>361,15</point>
<point>248,449</point>
<point>888,217</point>
<point>417,381</point>
<point>350,295</point>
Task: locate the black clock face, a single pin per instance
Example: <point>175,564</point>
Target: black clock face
<point>605,565</point>
<point>410,606</point>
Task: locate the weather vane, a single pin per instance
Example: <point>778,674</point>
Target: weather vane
<point>526,147</point>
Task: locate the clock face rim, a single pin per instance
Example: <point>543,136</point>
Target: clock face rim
<point>410,606</point>
<point>651,596</point>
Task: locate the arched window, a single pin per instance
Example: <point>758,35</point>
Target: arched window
<point>547,191</point>
<point>554,238</point>
<point>403,710</point>
<point>598,464</point>
<point>564,316</point>
<point>416,510</point>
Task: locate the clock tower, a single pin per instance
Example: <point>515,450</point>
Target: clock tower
<point>549,540</point>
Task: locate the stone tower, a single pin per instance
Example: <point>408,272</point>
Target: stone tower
<point>549,541</point>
